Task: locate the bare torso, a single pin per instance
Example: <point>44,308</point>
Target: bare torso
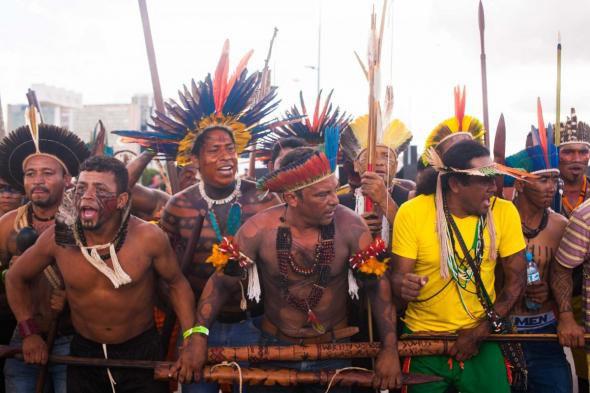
<point>99,311</point>
<point>331,309</point>
<point>180,216</point>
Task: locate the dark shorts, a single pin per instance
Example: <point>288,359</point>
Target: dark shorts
<point>146,346</point>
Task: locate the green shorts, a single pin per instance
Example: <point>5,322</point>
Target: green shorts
<point>483,373</point>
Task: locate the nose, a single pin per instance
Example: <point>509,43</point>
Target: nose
<point>333,201</point>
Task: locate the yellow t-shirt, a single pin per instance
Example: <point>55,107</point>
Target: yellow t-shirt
<point>439,308</point>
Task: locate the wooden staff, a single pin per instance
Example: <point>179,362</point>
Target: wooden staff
<point>522,337</point>
<point>251,376</point>
<point>500,153</point>
<point>158,99</point>
<point>484,74</point>
<point>297,353</point>
<point>558,93</point>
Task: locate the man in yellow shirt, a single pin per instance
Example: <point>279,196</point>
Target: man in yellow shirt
<point>448,292</point>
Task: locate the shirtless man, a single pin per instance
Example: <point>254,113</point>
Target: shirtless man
<point>43,174</point>
<point>293,306</point>
<point>10,197</point>
<point>548,369</point>
<point>110,289</point>
<point>215,156</point>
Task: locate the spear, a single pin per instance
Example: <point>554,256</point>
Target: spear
<point>558,93</point>
<point>158,99</point>
<point>484,76</point>
<point>500,152</point>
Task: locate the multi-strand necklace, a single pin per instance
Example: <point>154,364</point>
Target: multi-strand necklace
<point>581,198</point>
<point>323,258</point>
<point>234,216</point>
<point>460,270</point>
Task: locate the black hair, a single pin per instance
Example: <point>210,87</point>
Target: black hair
<point>290,142</point>
<point>111,165</point>
<point>458,156</point>
<point>200,141</point>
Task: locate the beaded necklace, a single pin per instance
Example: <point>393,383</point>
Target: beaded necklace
<point>532,233</point>
<point>461,272</point>
<point>324,255</point>
<point>31,214</point>
<point>234,216</point>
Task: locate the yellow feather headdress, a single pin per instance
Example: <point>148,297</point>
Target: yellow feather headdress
<point>396,136</point>
<point>460,124</point>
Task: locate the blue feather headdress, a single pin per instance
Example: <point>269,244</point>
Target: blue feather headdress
<point>214,102</point>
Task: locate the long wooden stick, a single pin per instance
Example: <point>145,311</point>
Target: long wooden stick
<point>518,337</point>
<point>251,376</point>
<point>500,153</point>
<point>484,74</point>
<point>558,93</point>
<point>158,99</point>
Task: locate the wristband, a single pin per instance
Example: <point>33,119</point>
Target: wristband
<point>27,328</point>
<point>197,329</point>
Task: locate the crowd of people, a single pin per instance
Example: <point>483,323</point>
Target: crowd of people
<point>329,246</point>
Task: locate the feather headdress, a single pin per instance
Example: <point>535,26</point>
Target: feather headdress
<point>39,139</point>
<point>222,101</point>
<point>311,127</point>
<point>460,124</point>
<point>395,135</point>
<point>574,131</point>
<point>542,156</point>
<point>297,175</point>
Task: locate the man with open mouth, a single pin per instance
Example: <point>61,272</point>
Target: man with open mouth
<point>39,161</point>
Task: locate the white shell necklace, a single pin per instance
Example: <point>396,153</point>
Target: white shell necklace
<point>211,202</point>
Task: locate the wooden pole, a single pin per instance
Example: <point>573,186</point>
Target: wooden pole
<point>484,74</point>
<point>158,99</point>
<point>558,93</point>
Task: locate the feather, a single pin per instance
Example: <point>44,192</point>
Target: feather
<point>434,159</point>
<point>332,141</point>
<point>542,130</point>
<point>33,119</point>
<point>220,79</point>
<point>459,106</point>
<point>363,67</point>
<point>240,67</point>
<point>314,124</point>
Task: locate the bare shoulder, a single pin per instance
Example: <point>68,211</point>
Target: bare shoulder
<point>7,221</point>
<point>144,230</point>
<point>258,199</point>
<point>345,216</point>
<point>349,224</point>
<point>262,222</point>
<point>557,221</point>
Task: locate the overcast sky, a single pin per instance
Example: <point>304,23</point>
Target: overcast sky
<point>97,48</point>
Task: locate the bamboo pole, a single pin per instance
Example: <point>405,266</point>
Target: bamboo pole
<point>558,93</point>
<point>484,74</point>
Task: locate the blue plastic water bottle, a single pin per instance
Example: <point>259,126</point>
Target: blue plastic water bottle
<point>533,276</point>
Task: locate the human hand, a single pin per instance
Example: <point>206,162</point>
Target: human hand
<point>467,344</point>
<point>411,286</point>
<point>538,292</point>
<point>387,370</point>
<point>569,333</point>
<point>34,350</point>
<point>373,186</point>
<point>191,360</point>
<point>373,222</point>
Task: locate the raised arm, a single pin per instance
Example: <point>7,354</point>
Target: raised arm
<point>18,289</point>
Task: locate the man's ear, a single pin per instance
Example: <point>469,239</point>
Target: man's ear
<point>356,164</point>
<point>122,200</point>
<point>68,181</point>
<point>519,186</point>
<point>454,185</point>
<point>291,199</point>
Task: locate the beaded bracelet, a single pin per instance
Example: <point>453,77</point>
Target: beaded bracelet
<point>27,328</point>
<point>197,329</point>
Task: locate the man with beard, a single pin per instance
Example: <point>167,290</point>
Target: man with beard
<point>574,152</point>
<point>211,130</point>
<point>548,369</point>
<point>41,164</point>
<point>300,251</point>
<point>110,262</point>
<point>445,246</point>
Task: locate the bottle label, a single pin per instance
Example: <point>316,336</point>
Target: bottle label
<point>534,277</point>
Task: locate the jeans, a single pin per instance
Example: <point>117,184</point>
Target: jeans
<point>227,335</point>
<point>306,365</point>
<point>22,378</point>
<point>548,369</point>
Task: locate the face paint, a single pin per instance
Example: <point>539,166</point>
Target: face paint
<point>95,202</point>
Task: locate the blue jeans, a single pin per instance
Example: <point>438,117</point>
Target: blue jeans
<point>22,378</point>
<point>306,365</point>
<point>227,335</point>
<point>548,369</point>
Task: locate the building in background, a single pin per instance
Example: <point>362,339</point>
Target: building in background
<point>2,129</point>
<point>64,108</point>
